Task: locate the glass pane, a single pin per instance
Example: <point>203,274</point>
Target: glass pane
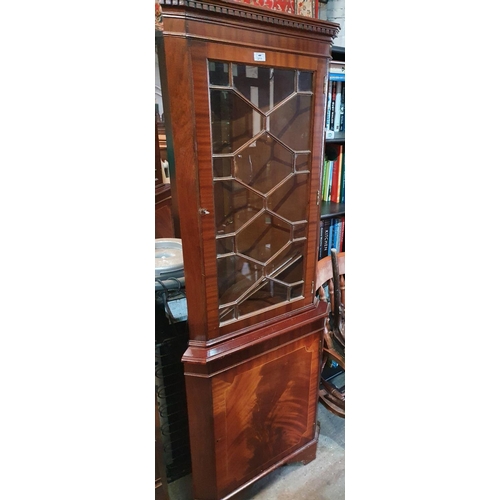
<point>265,236</point>
<point>269,294</point>
<point>293,272</point>
<point>253,83</point>
<point>218,73</point>
<point>263,87</point>
<point>299,231</point>
<point>227,314</point>
<point>235,276</point>
<point>234,205</point>
<point>290,199</point>
<point>305,81</point>
<point>225,245</point>
<point>284,85</point>
<point>232,121</point>
<point>263,164</point>
<point>222,167</point>
<point>296,291</point>
<point>302,162</point>
<point>291,122</point>
<point>287,259</point>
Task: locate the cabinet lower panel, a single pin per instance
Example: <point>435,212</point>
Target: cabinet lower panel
<point>253,416</point>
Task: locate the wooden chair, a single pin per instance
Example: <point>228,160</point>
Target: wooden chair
<point>330,287</point>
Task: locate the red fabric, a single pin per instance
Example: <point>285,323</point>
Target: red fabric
<point>287,6</point>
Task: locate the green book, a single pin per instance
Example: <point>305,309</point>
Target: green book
<point>342,180</point>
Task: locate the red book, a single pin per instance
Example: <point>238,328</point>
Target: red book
<point>335,176</point>
<point>341,242</point>
<point>339,176</point>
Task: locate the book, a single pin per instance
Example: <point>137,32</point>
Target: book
<point>335,173</point>
<point>332,104</point>
<point>328,183</point>
<point>324,179</point>
<point>339,180</point>
<point>320,241</point>
<point>326,237</point>
<point>336,234</point>
<point>342,109</point>
<point>342,230</point>
<point>330,179</point>
<point>331,235</point>
<point>342,181</point>
<point>328,105</point>
<point>338,99</point>
<point>327,180</point>
<point>339,235</point>
<point>336,72</point>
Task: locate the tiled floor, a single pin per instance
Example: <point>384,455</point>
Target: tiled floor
<point>323,478</point>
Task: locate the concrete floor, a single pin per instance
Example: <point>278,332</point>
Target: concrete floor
<point>323,478</point>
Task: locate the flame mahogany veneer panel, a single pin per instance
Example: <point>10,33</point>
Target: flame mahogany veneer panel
<point>259,411</point>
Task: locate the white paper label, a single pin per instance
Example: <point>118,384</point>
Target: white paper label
<point>259,56</point>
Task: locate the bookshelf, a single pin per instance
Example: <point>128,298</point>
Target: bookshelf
<point>332,188</point>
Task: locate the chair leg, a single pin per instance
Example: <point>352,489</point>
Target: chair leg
<point>331,404</point>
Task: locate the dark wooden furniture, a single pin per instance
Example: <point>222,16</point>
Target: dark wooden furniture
<point>330,277</point>
<point>244,99</point>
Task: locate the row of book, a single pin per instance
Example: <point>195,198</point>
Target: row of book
<point>333,176</point>
<point>331,235</point>
<point>335,103</point>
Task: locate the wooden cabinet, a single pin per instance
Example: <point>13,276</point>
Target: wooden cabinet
<point>244,94</point>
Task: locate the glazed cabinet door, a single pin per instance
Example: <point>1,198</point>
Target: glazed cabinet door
<point>261,159</point>
<point>258,130</point>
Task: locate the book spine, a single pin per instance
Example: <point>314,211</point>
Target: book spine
<point>339,183</point>
<point>323,179</point>
<point>330,183</point>
<point>333,107</point>
<point>320,242</point>
<point>342,182</point>
<point>329,105</point>
<point>326,237</point>
<point>338,98</point>
<point>342,232</point>
<point>342,109</point>
<point>327,180</point>
<point>331,236</point>
<point>335,174</point>
<point>338,230</point>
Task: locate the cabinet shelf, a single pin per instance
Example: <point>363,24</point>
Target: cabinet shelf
<point>329,209</point>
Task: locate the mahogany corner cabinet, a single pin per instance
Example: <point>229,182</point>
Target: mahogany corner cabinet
<point>244,95</point>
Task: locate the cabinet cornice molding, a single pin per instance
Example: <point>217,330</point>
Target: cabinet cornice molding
<point>256,14</point>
